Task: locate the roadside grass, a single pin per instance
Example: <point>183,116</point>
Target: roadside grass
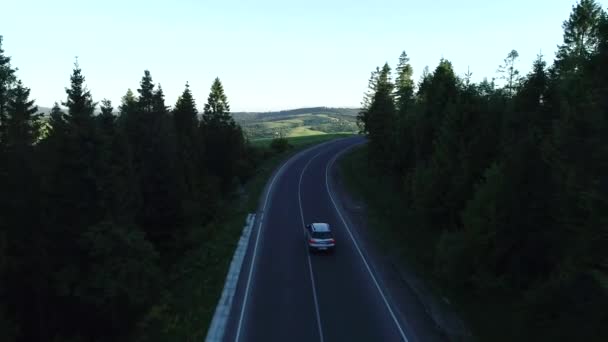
<point>187,305</point>
<point>302,141</point>
<point>491,316</point>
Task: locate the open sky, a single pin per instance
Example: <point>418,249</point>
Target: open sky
<point>269,54</point>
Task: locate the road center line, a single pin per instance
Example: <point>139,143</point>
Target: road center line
<point>261,224</point>
<point>312,278</point>
<point>369,270</point>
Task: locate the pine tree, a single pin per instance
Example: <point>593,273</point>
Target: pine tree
<point>79,102</point>
<point>404,84</point>
<point>189,144</point>
<point>380,118</point>
<point>423,84</point>
<point>185,113</point>
<point>128,102</point>
<point>509,73</point>
<point>437,91</point>
<point>581,36</point>
<point>222,137</point>
<point>217,109</point>
<point>367,100</point>
<point>20,213</point>
<point>57,127</point>
<point>158,102</point>
<point>105,165</point>
<point>107,119</point>
<point>403,139</point>
<point>74,149</point>
<point>7,82</point>
<point>23,122</point>
<point>146,93</point>
<point>151,138</point>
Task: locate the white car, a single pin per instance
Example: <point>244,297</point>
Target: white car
<point>319,237</point>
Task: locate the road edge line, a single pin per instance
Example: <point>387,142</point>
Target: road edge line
<point>331,197</point>
<point>217,328</point>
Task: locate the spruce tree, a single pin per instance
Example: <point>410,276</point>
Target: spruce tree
<point>20,215</point>
<point>74,148</point>
<point>151,136</point>
<point>23,122</point>
<point>106,118</point>
<point>146,93</point>
<point>217,109</point>
<point>189,144</point>
<point>404,84</point>
<point>581,36</point>
<point>437,92</point>
<point>222,137</point>
<point>402,137</point>
<point>7,82</point>
<point>380,118</point>
<point>79,101</point>
<point>367,100</point>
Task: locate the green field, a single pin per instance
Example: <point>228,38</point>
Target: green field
<point>303,140</point>
<point>302,122</point>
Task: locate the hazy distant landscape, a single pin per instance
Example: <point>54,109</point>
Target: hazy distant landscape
<point>297,122</point>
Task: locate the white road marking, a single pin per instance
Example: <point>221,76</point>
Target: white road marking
<point>369,270</point>
<point>312,278</point>
<point>255,248</point>
<point>217,327</point>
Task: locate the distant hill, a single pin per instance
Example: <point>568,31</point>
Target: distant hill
<point>45,110</point>
<point>247,116</point>
<point>298,122</point>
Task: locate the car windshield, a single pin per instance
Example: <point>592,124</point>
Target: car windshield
<point>321,235</point>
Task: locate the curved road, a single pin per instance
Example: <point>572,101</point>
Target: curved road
<point>285,293</point>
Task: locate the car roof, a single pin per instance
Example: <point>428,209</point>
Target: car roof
<point>320,227</point>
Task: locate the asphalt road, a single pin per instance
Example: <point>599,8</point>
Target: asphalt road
<point>287,294</point>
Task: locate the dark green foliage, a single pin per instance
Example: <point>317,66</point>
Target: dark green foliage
<point>151,133</point>
<point>513,182</point>
<point>509,73</point>
<point>581,36</point>
<point>280,144</point>
<point>189,142</point>
<point>378,119</point>
<point>96,210</point>
<point>22,125</point>
<point>222,137</point>
<point>7,83</point>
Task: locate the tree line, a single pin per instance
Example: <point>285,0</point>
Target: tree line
<point>96,207</point>
<point>513,179</point>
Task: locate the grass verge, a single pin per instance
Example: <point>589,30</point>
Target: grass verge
<point>303,141</point>
<point>186,307</point>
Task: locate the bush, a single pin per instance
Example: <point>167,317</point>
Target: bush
<point>121,279</point>
<point>280,144</point>
<point>451,261</point>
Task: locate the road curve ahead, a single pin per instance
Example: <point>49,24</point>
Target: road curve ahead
<point>287,294</point>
